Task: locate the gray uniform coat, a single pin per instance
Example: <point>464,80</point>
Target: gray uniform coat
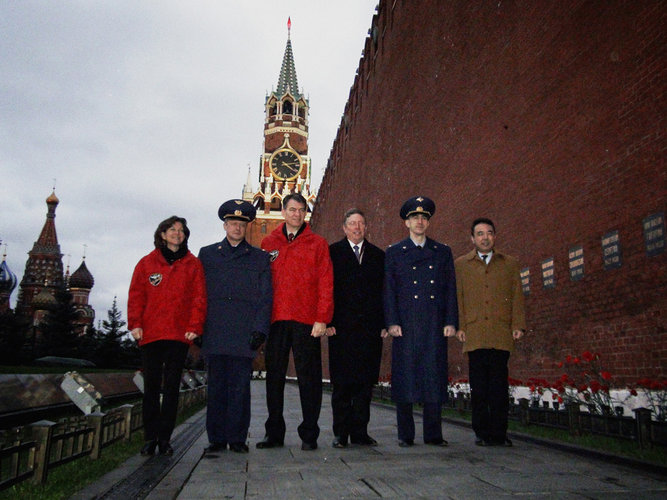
<point>239,291</point>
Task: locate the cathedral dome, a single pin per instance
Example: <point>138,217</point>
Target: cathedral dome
<point>81,278</point>
<point>8,279</point>
<point>52,199</point>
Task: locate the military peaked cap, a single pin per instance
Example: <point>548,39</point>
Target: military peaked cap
<point>418,205</point>
<point>237,209</point>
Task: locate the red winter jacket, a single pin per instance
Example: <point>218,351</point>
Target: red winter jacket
<point>302,277</point>
<point>167,301</point>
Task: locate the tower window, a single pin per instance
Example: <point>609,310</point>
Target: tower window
<point>287,108</point>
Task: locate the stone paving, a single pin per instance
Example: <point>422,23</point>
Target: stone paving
<point>460,471</point>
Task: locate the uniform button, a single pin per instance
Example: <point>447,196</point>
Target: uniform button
<point>433,296</point>
<point>415,282</point>
<point>414,267</point>
<point>486,317</point>
<point>416,296</point>
<point>430,267</point>
<point>432,281</point>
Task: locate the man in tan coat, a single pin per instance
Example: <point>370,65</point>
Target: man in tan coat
<point>491,319</point>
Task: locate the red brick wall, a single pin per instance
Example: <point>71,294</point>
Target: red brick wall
<point>547,117</point>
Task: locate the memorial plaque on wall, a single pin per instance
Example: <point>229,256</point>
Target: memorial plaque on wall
<point>576,260</point>
<point>525,280</point>
<point>548,276</point>
<point>611,250</point>
<point>654,233</point>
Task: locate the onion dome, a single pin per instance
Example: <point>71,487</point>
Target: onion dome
<point>8,279</point>
<point>52,199</point>
<point>81,278</point>
<point>44,300</point>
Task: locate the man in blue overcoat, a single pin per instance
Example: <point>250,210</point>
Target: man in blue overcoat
<point>238,286</point>
<point>420,311</point>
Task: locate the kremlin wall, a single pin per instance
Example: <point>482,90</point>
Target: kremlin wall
<point>547,117</point>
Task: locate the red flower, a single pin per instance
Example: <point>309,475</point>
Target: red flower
<point>633,392</point>
<point>575,361</point>
<point>560,364</point>
<point>605,375</point>
<point>568,359</point>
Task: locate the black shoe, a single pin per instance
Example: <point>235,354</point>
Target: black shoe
<point>437,442</point>
<point>306,446</point>
<point>339,442</point>
<point>269,443</point>
<point>405,443</point>
<point>149,448</point>
<point>364,441</point>
<point>215,447</point>
<point>238,447</point>
<point>165,448</point>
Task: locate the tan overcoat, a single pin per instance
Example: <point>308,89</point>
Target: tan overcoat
<point>491,302</point>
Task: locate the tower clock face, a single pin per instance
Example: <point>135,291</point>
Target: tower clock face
<point>285,164</point>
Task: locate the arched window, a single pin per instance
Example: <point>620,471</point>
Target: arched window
<point>287,107</point>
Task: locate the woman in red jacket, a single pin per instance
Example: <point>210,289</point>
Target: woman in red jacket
<point>166,311</point>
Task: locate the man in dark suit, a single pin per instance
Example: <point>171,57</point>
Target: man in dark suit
<point>355,340</point>
<point>238,286</point>
<point>420,310</point>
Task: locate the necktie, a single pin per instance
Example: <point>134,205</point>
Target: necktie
<point>484,257</point>
<point>356,252</point>
<point>290,237</point>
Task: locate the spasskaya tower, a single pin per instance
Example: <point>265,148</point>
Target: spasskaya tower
<point>284,165</point>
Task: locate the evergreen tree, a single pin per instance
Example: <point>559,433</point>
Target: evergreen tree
<point>58,335</point>
<point>114,349</point>
<point>12,339</point>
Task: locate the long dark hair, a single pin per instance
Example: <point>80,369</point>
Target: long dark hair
<point>166,224</point>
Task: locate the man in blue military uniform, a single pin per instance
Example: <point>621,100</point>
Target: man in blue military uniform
<point>238,286</point>
<point>420,311</point>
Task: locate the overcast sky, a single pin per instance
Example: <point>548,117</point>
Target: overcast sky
<point>145,109</point>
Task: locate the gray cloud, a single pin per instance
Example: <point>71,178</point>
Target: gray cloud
<point>142,110</point>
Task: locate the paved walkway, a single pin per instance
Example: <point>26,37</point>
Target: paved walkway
<point>459,471</point>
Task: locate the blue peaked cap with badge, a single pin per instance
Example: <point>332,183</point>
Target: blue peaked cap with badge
<point>237,209</point>
<point>418,205</point>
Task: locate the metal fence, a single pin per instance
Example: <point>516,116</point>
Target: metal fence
<point>29,452</point>
<point>639,428</point>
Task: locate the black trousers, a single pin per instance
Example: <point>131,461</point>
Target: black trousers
<point>162,360</point>
<point>286,335</point>
<point>432,422</point>
<point>351,407</point>
<point>228,409</point>
<point>489,390</point>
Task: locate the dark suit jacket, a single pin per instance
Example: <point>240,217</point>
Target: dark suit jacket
<point>356,349</point>
<point>238,286</point>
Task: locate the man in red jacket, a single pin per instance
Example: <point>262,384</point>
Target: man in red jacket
<point>302,277</point>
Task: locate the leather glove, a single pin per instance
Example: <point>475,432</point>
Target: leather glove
<point>256,340</point>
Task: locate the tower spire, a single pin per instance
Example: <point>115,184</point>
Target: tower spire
<point>287,81</point>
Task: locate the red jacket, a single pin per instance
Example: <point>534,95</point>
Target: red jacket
<point>302,277</point>
<point>167,301</point>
